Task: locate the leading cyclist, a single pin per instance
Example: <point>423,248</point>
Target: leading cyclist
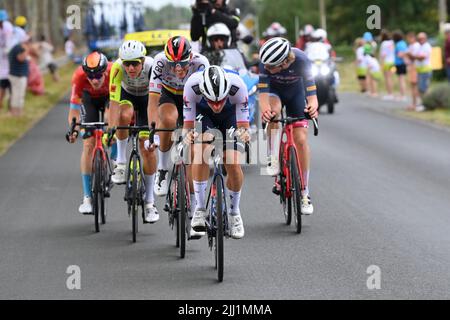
<point>286,80</point>
<point>219,100</point>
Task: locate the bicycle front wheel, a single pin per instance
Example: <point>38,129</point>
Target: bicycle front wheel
<point>181,225</point>
<point>134,196</point>
<point>220,228</point>
<point>97,199</point>
<point>284,199</point>
<point>296,189</point>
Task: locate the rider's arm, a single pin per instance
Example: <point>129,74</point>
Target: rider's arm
<point>115,87</point>
<point>75,97</point>
<point>155,88</point>
<point>264,90</point>
<point>190,99</point>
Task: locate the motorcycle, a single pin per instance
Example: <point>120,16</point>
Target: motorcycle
<point>325,74</point>
<point>233,60</point>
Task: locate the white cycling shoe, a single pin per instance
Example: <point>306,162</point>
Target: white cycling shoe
<point>86,206</point>
<point>161,187</point>
<point>307,207</point>
<point>273,166</point>
<point>151,213</point>
<point>237,227</point>
<point>119,176</point>
<point>198,222</point>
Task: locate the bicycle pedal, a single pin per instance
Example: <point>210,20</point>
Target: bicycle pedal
<point>166,208</point>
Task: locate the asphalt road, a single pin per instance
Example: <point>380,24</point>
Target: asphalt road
<point>380,188</point>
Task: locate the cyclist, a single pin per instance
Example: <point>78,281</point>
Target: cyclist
<point>220,100</point>
<point>171,69</point>
<point>129,88</point>
<point>285,79</point>
<point>90,93</point>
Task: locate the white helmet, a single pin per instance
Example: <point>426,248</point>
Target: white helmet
<point>274,51</point>
<point>320,34</point>
<point>219,29</point>
<point>215,84</point>
<point>132,50</point>
<point>308,30</point>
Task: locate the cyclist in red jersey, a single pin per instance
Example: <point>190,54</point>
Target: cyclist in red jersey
<point>90,93</point>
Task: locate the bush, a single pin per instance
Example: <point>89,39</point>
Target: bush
<point>438,98</point>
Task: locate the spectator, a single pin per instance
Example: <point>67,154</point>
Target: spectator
<point>387,60</point>
<point>423,64</point>
<point>413,48</point>
<point>19,30</point>
<point>209,12</point>
<point>305,37</point>
<point>69,47</point>
<point>36,82</point>
<point>361,64</point>
<point>373,70</point>
<point>368,38</point>
<point>6,31</point>
<point>447,50</point>
<point>401,49</point>
<point>18,74</point>
<point>47,60</point>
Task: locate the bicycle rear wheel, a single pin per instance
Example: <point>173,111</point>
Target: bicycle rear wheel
<point>220,229</point>
<point>296,190</point>
<point>97,199</point>
<point>181,224</point>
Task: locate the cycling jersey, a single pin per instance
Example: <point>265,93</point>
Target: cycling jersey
<point>121,81</point>
<point>292,85</point>
<point>234,113</point>
<point>164,77</point>
<point>80,84</point>
<point>297,77</point>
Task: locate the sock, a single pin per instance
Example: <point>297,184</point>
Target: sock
<point>114,152</point>
<point>163,163</point>
<point>193,204</point>
<point>200,194</point>
<point>86,179</point>
<point>122,151</point>
<point>306,181</point>
<point>235,198</point>
<point>149,183</point>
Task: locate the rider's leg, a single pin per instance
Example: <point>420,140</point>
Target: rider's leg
<point>274,136</point>
<point>168,116</point>
<point>149,161</point>
<point>113,143</point>
<point>301,142</point>
<point>125,117</point>
<point>235,179</point>
<point>86,171</point>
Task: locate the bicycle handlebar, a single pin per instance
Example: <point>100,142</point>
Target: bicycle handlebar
<point>290,120</point>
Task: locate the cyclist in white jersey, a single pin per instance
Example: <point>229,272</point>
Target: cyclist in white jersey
<point>171,70</point>
<point>129,91</point>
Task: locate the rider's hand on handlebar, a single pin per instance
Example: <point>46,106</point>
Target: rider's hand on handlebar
<point>190,137</point>
<point>268,116</point>
<point>152,147</point>
<point>243,134</point>
<point>313,111</point>
<point>71,137</point>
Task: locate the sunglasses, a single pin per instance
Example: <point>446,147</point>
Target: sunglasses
<point>131,63</point>
<point>215,39</point>
<point>95,76</point>
<point>181,64</point>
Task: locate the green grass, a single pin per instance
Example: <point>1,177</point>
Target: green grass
<point>36,107</point>
<point>440,116</point>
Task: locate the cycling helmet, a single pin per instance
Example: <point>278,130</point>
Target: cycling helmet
<point>320,35</point>
<point>95,63</point>
<point>219,29</point>
<point>21,21</point>
<point>215,84</point>
<point>178,49</point>
<point>3,15</point>
<point>308,30</point>
<point>132,50</point>
<point>274,51</point>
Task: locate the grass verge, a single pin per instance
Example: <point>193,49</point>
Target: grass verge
<point>36,107</point>
<point>440,116</point>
